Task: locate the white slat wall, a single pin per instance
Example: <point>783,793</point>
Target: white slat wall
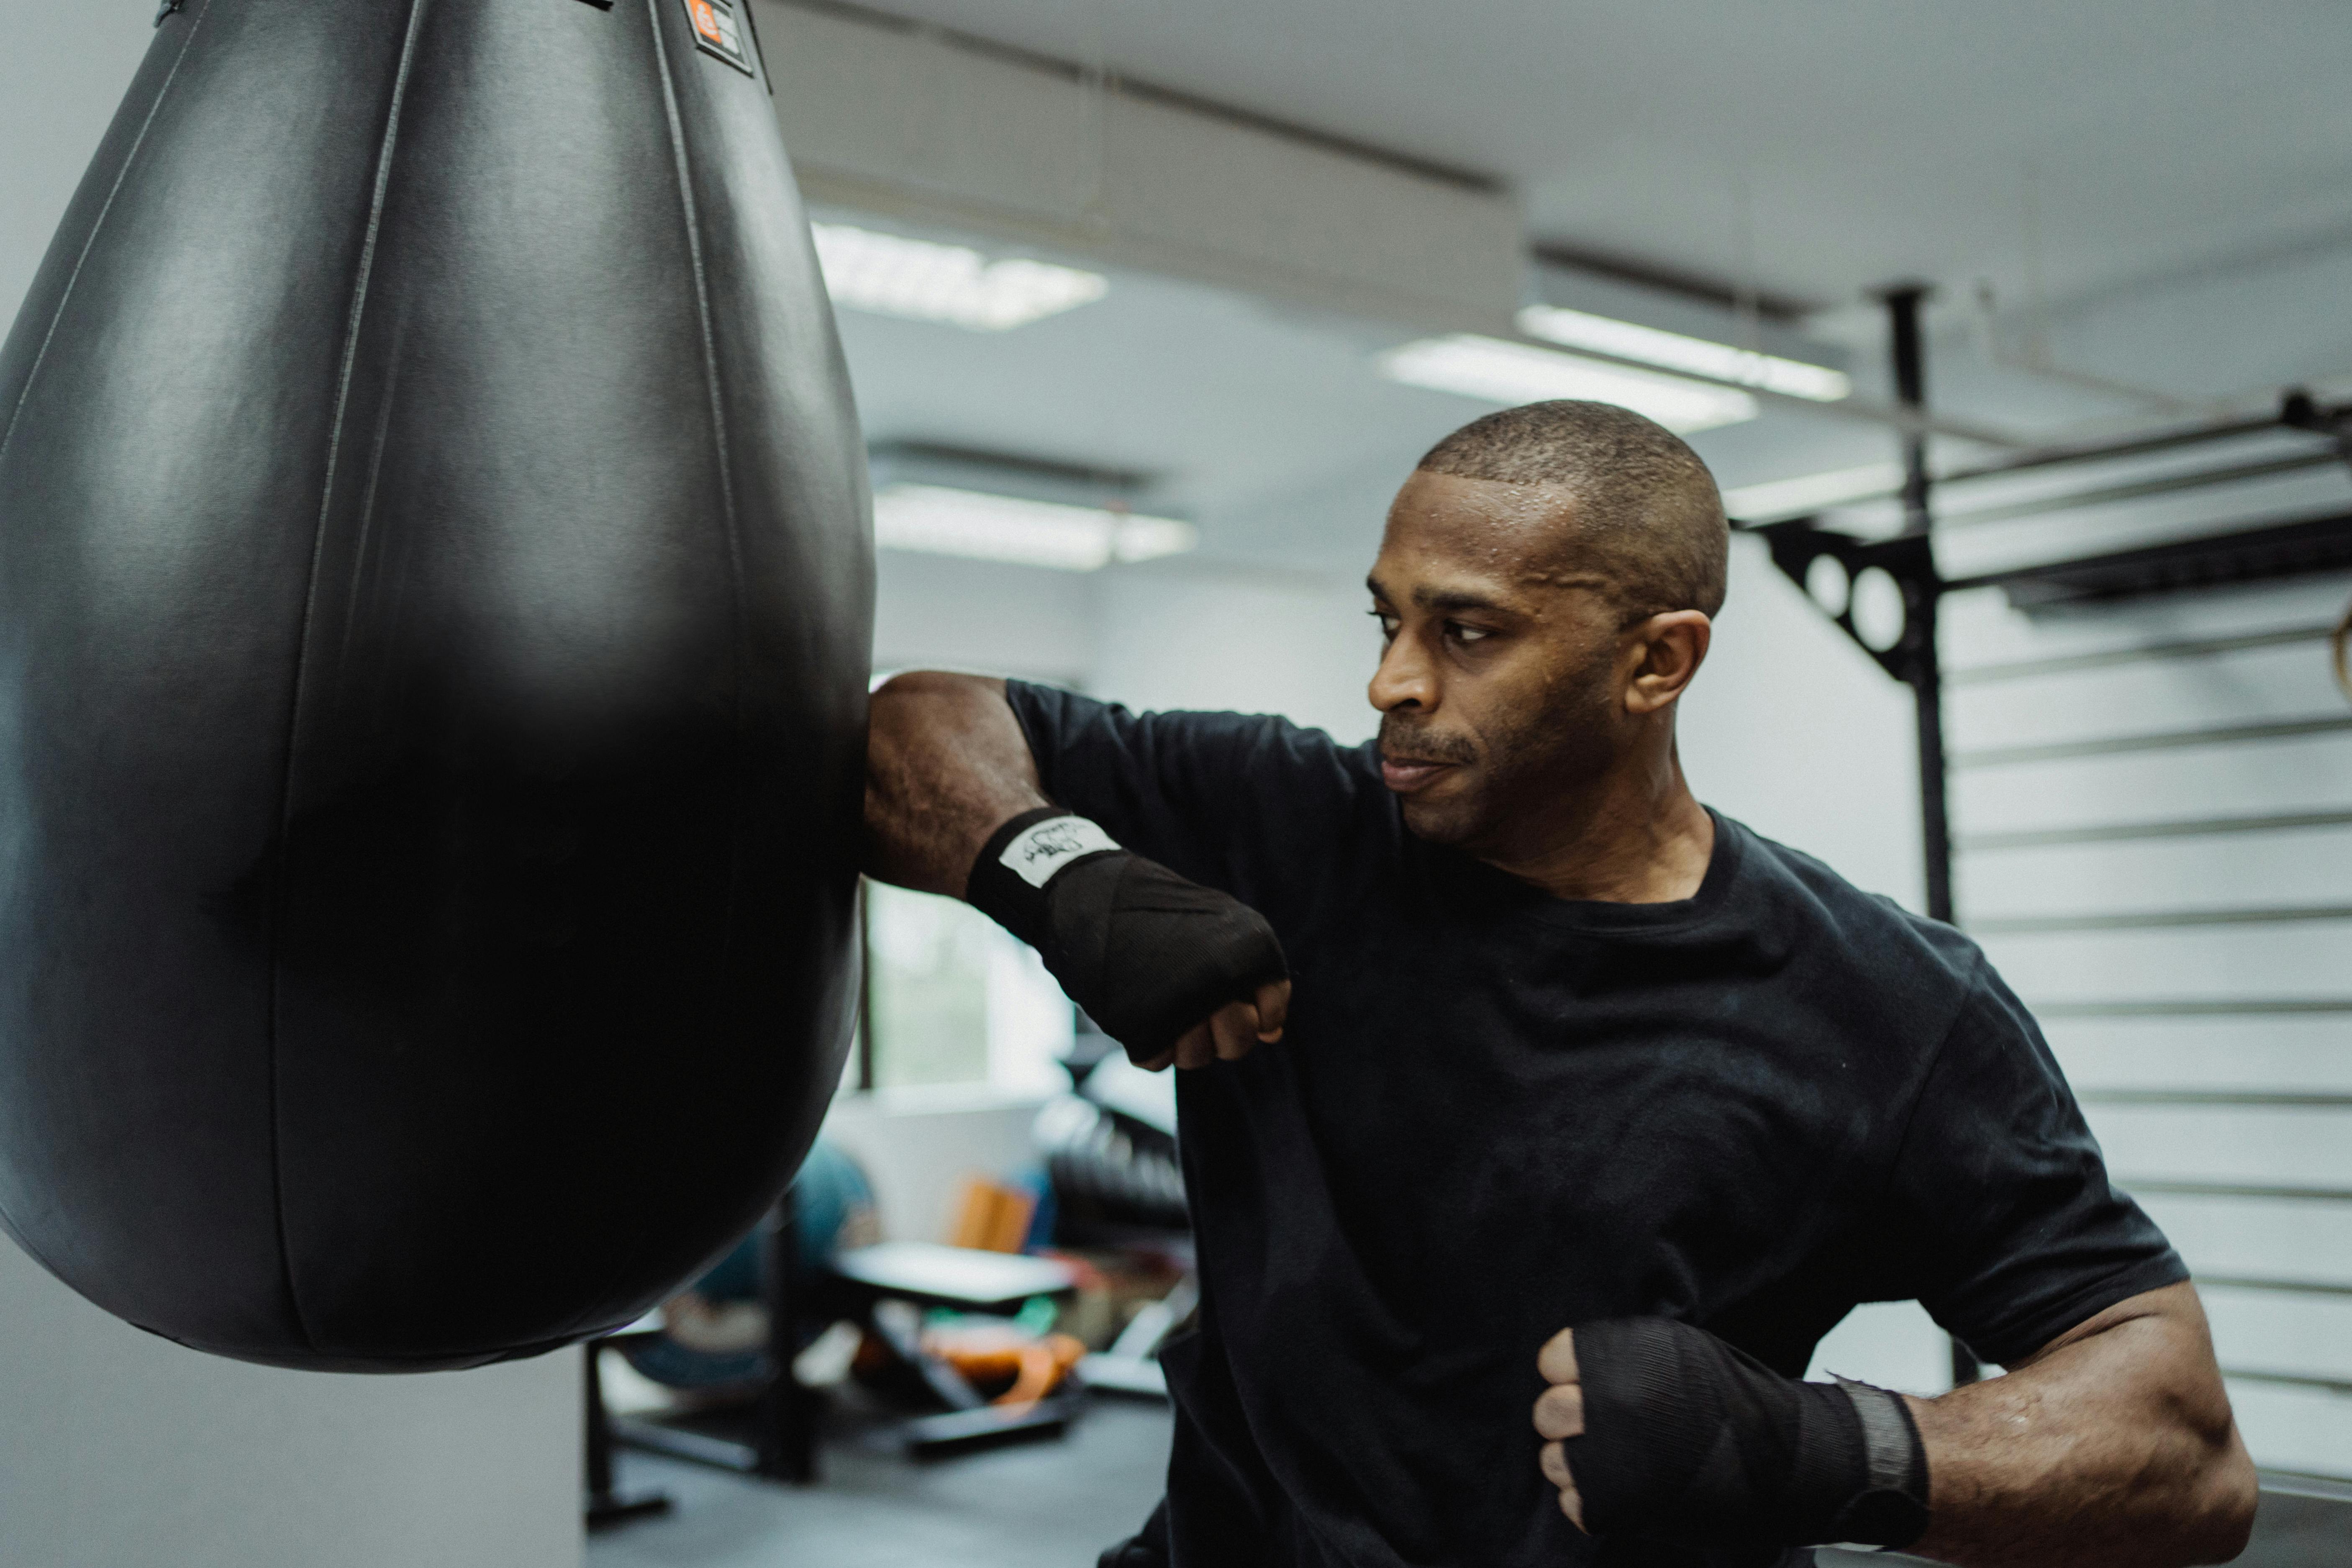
<point>2153,810</point>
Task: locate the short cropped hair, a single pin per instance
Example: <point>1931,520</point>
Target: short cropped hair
<point>1646,509</point>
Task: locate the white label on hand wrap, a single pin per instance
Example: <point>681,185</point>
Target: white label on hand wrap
<point>1036,853</point>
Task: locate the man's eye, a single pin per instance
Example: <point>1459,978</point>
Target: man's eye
<point>1463,633</point>
<point>1388,622</point>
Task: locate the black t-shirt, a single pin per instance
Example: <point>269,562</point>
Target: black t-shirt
<point>1496,1113</point>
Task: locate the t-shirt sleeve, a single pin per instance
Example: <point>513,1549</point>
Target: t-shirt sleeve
<point>1248,803</point>
<point>2005,1196</point>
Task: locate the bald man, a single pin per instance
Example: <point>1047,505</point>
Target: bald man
<point>1517,1078</point>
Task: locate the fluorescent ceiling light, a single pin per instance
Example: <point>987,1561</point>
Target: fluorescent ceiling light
<point>1721,362</point>
<point>894,275</point>
<point>1812,493</point>
<point>942,521</point>
<point>1501,372</point>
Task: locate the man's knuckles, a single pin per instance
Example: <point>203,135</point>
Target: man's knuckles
<point>1228,1034</point>
<point>1555,1467</point>
<point>1559,1411</point>
<point>1235,1026</point>
<point>1557,1359</point>
<point>1198,1048</point>
<point>1273,1010</point>
<point>1171,958</point>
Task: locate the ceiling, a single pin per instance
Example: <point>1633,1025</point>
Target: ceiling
<point>1873,139</point>
<point>2169,186</point>
<point>2191,163</point>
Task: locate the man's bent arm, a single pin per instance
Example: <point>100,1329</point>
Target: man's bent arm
<point>2113,1447</point>
<point>946,765</point>
<point>1197,978</point>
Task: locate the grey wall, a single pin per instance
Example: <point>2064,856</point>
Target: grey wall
<point>60,77</point>
<point>121,1450</point>
<point>2196,985</point>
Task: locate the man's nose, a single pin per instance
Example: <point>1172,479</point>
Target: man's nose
<point>1403,680</point>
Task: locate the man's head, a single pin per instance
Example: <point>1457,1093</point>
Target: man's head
<point>1545,586</point>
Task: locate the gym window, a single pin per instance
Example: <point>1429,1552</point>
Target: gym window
<point>954,1000</point>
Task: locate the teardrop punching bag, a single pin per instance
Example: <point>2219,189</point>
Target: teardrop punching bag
<point>434,596</point>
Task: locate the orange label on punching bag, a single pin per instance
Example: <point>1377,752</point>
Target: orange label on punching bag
<point>720,32</point>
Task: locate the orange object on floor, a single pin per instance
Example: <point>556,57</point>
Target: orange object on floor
<point>988,1356</point>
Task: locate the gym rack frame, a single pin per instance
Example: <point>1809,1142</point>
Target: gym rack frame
<point>2273,550</point>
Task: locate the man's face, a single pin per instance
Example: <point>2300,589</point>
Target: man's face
<point>1498,688</point>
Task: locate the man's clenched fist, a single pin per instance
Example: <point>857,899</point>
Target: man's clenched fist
<point>1171,970</point>
<point>1655,1428</point>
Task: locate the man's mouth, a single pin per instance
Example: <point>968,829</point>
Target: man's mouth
<point>1405,775</point>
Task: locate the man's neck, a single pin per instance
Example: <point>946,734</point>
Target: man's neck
<point>1637,835</point>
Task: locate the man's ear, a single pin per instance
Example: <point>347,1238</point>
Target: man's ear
<point>1671,648</point>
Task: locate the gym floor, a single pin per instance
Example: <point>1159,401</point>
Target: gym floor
<point>1047,1505</point>
<point>1053,1504</point>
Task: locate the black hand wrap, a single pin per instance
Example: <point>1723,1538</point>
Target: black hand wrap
<point>1148,954</point>
<point>1687,1438</point>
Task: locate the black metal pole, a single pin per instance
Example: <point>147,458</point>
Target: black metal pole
<point>1923,669</point>
<point>606,1506</point>
<point>1927,683</point>
<point>600,1432</point>
<point>787,1413</point>
<point>1908,350</point>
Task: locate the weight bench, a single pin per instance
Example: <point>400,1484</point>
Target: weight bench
<point>959,1279</point>
<point>784,1424</point>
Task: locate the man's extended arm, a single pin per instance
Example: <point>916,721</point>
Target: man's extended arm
<point>946,765</point>
<point>948,769</point>
<point>2111,1447</point>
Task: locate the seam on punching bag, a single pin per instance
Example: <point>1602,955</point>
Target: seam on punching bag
<point>362,277</point>
<point>96,224</point>
<point>691,216</point>
<point>693,220</point>
<point>389,395</point>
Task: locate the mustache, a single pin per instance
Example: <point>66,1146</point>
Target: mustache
<point>1401,741</point>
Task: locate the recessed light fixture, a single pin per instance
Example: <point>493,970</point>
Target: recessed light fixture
<point>922,282</point>
<point>1812,493</point>
<point>1673,351</point>
<point>940,520</point>
<point>1498,370</point>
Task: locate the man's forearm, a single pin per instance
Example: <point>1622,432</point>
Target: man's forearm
<point>2113,1448</point>
<point>946,765</point>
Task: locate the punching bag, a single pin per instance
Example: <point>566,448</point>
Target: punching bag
<point>434,600</point>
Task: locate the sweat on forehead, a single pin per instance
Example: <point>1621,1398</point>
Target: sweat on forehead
<point>1645,509</point>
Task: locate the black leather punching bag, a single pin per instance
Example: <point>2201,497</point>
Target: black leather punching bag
<point>435,593</point>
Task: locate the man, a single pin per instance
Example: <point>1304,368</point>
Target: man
<point>1585,1099</point>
